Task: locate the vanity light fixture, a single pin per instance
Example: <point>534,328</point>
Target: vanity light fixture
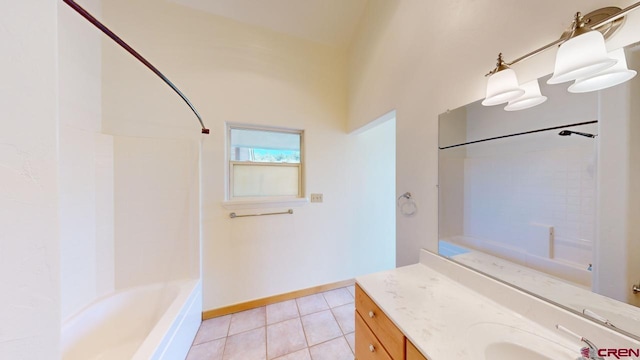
<point>582,57</point>
<point>607,78</point>
<point>583,54</point>
<point>502,85</point>
<point>532,97</point>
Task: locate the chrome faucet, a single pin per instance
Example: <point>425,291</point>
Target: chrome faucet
<point>589,352</point>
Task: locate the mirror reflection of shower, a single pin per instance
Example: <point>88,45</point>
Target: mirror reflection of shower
<point>535,199</point>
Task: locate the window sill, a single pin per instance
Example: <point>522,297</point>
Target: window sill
<point>263,203</point>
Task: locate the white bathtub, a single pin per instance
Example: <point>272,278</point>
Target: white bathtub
<point>157,321</point>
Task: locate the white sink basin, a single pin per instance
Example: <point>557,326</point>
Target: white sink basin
<point>493,341</point>
<point>511,351</point>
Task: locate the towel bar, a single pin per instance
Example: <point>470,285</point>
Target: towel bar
<point>234,215</point>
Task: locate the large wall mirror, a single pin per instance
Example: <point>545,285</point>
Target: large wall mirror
<point>548,198</point>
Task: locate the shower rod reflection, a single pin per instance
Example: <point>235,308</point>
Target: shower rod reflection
<point>569,133</point>
<point>84,13</point>
<point>520,133</point>
<point>234,215</point>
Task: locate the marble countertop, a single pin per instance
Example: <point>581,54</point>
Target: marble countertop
<point>443,318</point>
<point>624,316</point>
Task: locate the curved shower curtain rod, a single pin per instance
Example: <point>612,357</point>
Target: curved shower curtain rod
<point>135,54</point>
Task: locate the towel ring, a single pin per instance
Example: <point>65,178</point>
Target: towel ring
<point>406,204</point>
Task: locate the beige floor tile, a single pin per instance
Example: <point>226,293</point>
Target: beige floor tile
<point>351,339</point>
<point>213,329</point>
<point>320,327</point>
<point>250,345</point>
<point>338,297</point>
<point>336,349</point>
<point>282,311</point>
<point>312,303</point>
<point>345,316</point>
<point>352,290</point>
<point>282,331</point>
<point>298,355</point>
<point>211,350</point>
<point>285,337</point>
<point>247,320</point>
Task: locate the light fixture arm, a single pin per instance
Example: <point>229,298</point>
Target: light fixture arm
<point>576,26</point>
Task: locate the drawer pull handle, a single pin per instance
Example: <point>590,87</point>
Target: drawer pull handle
<point>372,348</point>
<point>371,314</point>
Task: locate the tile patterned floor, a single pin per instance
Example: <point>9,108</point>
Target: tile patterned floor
<point>314,327</point>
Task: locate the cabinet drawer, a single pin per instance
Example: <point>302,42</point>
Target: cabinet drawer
<point>413,353</point>
<point>367,345</point>
<point>387,333</point>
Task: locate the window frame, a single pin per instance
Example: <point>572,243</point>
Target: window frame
<point>230,200</point>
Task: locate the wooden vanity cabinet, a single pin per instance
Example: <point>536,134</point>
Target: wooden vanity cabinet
<point>381,327</point>
<point>367,345</point>
<point>413,353</point>
<point>377,337</point>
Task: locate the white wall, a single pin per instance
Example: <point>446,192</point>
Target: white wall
<point>156,210</point>
<point>86,165</point>
<point>421,58</point>
<point>29,239</point>
<point>245,74</point>
<point>372,200</point>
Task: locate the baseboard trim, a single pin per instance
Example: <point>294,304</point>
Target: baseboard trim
<point>208,314</point>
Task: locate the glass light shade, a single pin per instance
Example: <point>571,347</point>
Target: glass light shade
<point>531,97</point>
<point>579,57</point>
<point>502,87</point>
<point>612,76</point>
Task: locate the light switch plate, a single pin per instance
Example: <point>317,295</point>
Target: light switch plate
<point>316,198</point>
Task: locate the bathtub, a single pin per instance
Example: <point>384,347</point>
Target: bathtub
<point>157,321</point>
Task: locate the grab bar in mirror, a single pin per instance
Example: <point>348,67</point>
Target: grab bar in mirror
<point>598,317</point>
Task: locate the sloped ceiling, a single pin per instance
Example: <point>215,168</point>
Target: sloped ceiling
<point>331,22</point>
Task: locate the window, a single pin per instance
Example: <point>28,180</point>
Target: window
<point>264,163</point>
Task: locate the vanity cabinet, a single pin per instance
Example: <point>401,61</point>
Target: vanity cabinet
<point>413,353</point>
<point>377,337</point>
<point>367,345</point>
